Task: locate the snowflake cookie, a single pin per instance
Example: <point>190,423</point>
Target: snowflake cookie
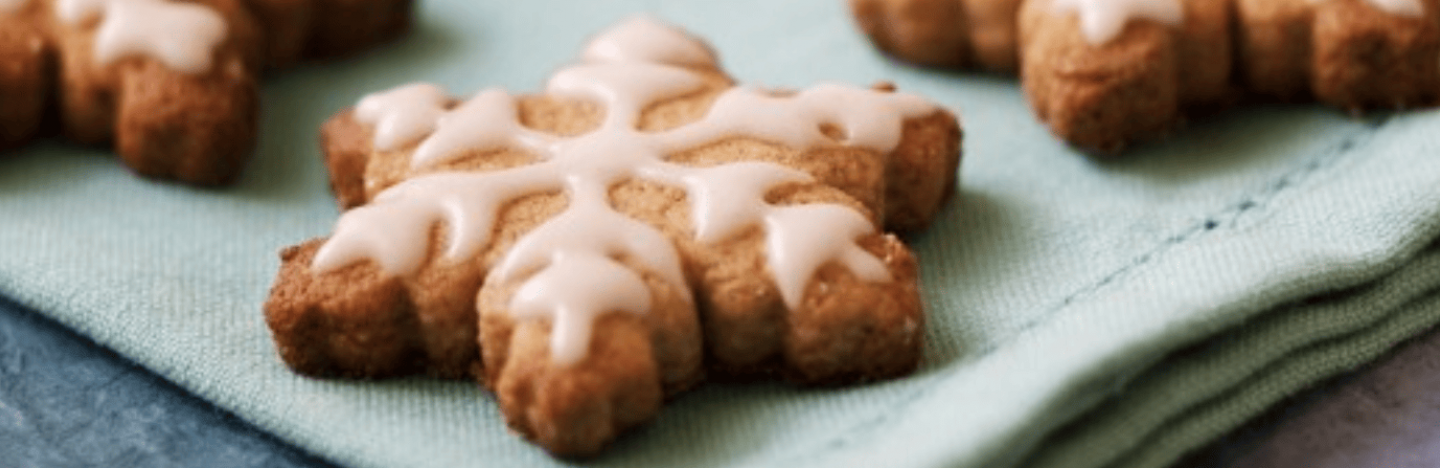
<point>589,251</point>
<point>170,82</point>
<point>1105,73</point>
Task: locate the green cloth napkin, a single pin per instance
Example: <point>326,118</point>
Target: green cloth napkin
<point>1081,313</point>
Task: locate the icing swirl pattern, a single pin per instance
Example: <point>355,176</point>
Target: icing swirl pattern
<point>568,265</point>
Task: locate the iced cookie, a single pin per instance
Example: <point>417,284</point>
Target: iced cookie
<point>170,83</point>
<point>1102,74</point>
<point>643,223</point>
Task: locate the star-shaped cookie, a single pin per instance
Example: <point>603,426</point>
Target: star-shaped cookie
<point>643,223</point>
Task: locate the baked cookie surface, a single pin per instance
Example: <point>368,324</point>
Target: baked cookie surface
<point>171,84</point>
<point>1103,74</point>
<point>644,223</point>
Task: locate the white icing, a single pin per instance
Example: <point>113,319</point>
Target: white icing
<point>485,122</point>
<point>393,229</point>
<point>1410,8</point>
<point>642,39</point>
<point>802,238</point>
<point>183,36</point>
<point>569,264</point>
<point>609,234</point>
<point>1102,20</point>
<point>403,115</point>
<point>11,6</point>
<point>602,286</point>
<point>730,197</point>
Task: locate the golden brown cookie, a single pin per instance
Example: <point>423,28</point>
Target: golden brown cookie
<point>590,250</point>
<point>1106,73</point>
<point>170,83</point>
<point>1105,82</point>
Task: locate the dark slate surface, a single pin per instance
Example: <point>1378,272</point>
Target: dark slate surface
<point>67,402</point>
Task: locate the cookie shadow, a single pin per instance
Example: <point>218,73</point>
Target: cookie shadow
<point>718,424</point>
<point>1240,139</point>
<point>974,231</point>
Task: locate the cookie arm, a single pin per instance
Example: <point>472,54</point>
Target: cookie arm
<point>1365,58</point>
<point>200,130</point>
<point>845,330</point>
<point>1103,96</point>
<point>1098,98</point>
<point>923,172</point>
<point>354,323</point>
<point>848,330</point>
<point>197,126</point>
<point>633,362</point>
<point>358,322</point>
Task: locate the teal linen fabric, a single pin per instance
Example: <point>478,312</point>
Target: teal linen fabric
<point>1081,313</point>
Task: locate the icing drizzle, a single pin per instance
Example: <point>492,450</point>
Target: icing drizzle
<point>570,264</point>
<point>642,39</point>
<point>402,115</point>
<point>183,36</point>
<point>1409,8</point>
<point>1102,20</point>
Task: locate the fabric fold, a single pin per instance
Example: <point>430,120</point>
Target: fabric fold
<point>1200,392</point>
